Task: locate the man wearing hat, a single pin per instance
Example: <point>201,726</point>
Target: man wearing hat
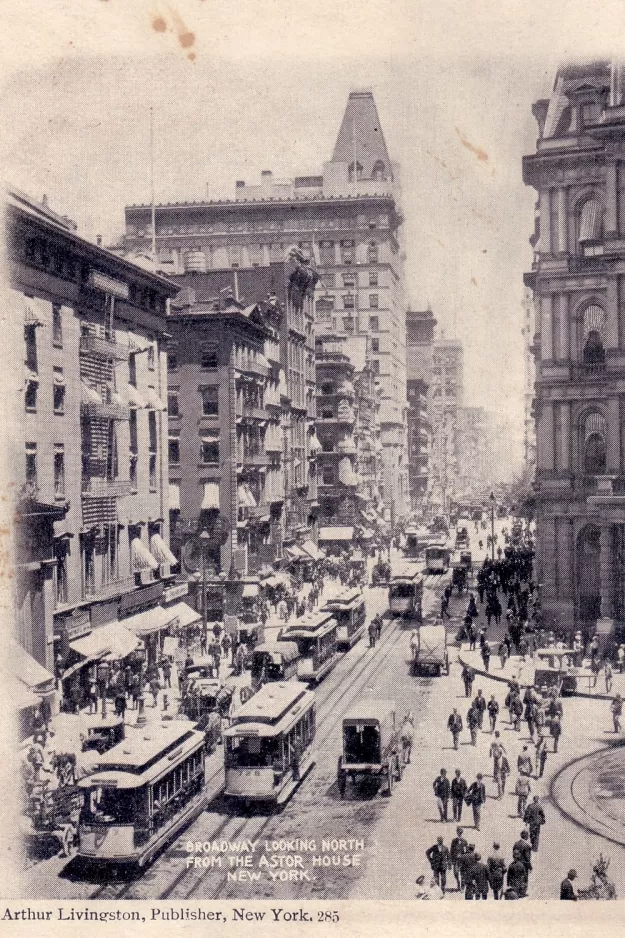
<point>439,859</point>
<point>496,871</point>
<point>567,890</point>
<point>617,709</point>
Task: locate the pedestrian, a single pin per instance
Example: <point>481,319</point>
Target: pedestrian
<point>517,876</point>
<point>431,892</point>
<point>534,817</point>
<point>476,797</point>
<point>486,656</point>
<point>530,718</point>
<point>454,725</point>
<point>607,674</point>
<point>458,790</point>
<point>497,750</point>
<point>92,696</point>
<point>567,890</point>
<point>620,654</point>
<point>445,607</point>
<point>473,720</point>
<point>617,710</point>
<point>378,627</point>
<point>457,850</point>
<point>472,608</point>
<point>493,712</point>
<point>522,791</point>
<point>516,711</point>
<point>595,667</point>
<point>496,866</point>
<point>502,774</point>
<point>468,676</point>
<point>503,654</point>
<point>539,720</point>
<point>556,731</point>
<point>135,690</point>
<point>471,632</point>
<point>226,645</point>
<point>524,763</point>
<point>440,861</point>
<point>154,689</point>
<point>466,870</point>
<point>120,704</point>
<point>480,705</point>
<point>479,878</point>
<point>372,634</point>
<point>541,756</point>
<point>441,793</point>
<point>166,668</point>
<point>524,849</point>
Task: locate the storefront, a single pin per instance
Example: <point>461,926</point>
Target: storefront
<point>336,539</point>
<point>97,656</point>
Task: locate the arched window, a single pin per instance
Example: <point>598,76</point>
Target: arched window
<point>379,171</point>
<point>594,336</point>
<point>590,227</point>
<point>350,171</point>
<point>594,444</point>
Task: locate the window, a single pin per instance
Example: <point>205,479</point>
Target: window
<point>31,463</point>
<point>134,448</point>
<point>379,171</point>
<point>172,404</point>
<point>209,450</point>
<point>210,401</point>
<point>594,334</point>
<point>60,572</point>
<point>590,227</point>
<point>208,355</point>
<point>375,346</point>
<point>58,391</point>
<point>374,323</point>
<point>151,356</point>
<point>589,114</point>
<point>30,396</point>
<point>152,471</point>
<point>112,463</point>
<point>373,278</point>
<point>133,472</point>
<point>375,364</point>
<point>349,301</point>
<point>132,369</point>
<point>374,300</point>
<point>326,256</point>
<point>172,361</point>
<point>152,430</point>
<point>57,325</point>
<point>349,280</point>
<point>350,171</point>
<point>30,341</point>
<point>594,449</point>
<point>88,565</point>
<point>372,253</point>
<point>59,470</point>
<point>328,281</point>
<point>347,252</point>
<point>174,451</point>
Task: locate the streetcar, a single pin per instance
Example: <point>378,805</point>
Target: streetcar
<point>269,744</point>
<point>316,638</point>
<point>371,743</point>
<point>405,594</point>
<point>141,793</point>
<point>348,608</point>
<point>274,661</point>
<point>437,558</point>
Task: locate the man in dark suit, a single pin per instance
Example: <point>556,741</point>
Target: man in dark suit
<point>440,861</point>
<point>567,890</point>
<point>534,817</point>
<point>466,870</point>
<point>479,878</point>
<point>524,849</point>
<point>517,875</point>
<point>441,792</point>
<point>457,850</point>
<point>458,791</point>
<point>477,794</point>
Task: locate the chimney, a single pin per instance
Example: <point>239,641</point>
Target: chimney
<point>98,240</point>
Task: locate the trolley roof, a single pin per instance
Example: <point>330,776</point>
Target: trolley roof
<point>144,746</point>
<point>287,651</point>
<point>313,625</point>
<point>346,599</point>
<point>411,573</point>
<point>272,703</point>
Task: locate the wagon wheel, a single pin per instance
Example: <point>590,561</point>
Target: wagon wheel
<point>389,775</point>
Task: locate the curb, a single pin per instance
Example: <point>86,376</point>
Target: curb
<point>565,801</point>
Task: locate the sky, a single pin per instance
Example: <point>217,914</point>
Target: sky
<point>238,88</point>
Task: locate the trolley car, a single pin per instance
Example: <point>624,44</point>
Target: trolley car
<point>273,662</point>
<point>348,608</point>
<point>316,638</point>
<point>269,746</point>
<point>142,793</point>
<point>437,558</point>
<point>405,594</point>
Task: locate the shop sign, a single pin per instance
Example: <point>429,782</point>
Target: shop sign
<point>175,592</point>
<point>147,596</point>
<point>106,284</point>
<point>77,625</point>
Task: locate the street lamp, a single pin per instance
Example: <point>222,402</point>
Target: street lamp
<point>492,525</point>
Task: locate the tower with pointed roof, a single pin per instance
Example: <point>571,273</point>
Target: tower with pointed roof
<point>348,220</point>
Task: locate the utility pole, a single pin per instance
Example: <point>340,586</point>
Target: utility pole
<point>492,525</point>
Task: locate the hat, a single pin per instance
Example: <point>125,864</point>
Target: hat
<point>572,874</point>
<point>495,846</point>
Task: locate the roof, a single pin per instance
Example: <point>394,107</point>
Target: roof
<point>272,702</point>
<point>313,625</point>
<point>247,203</point>
<point>361,134</point>
<point>287,650</point>
<point>141,746</point>
<point>370,709</point>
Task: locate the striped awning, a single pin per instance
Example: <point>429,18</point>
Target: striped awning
<point>153,401</point>
<point>141,558</point>
<point>152,620</point>
<point>594,423</point>
<point>591,221</point>
<point>594,321</point>
<point>160,550</point>
<point>174,495</point>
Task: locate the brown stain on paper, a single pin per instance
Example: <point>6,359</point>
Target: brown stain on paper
<point>482,155</point>
<point>186,38</point>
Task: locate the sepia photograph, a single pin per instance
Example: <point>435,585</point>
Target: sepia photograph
<point>313,482</point>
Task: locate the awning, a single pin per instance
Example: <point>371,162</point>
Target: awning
<point>134,398</point>
<point>336,534</point>
<point>250,590</point>
<point>153,401</point>
<point>29,671</point>
<point>590,221</point>
<point>174,495</point>
<point>296,553</point>
<point>114,640</point>
<point>312,550</point>
<point>314,444</point>
<point>160,550</point>
<point>31,377</point>
<point>89,395</point>
<point>183,614</point>
<point>153,620</point>
<point>20,696</point>
<point>211,495</point>
<point>141,558</point>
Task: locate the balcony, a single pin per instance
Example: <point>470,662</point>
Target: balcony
<point>595,372</point>
<point>105,488</point>
<point>248,412</point>
<point>260,510</point>
<point>103,348</point>
<point>598,264</point>
<point>346,448</point>
<point>117,588</point>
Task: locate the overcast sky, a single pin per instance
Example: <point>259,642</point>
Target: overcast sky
<point>264,90</point>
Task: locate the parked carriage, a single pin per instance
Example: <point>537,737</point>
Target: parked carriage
<point>51,814</point>
<point>371,743</point>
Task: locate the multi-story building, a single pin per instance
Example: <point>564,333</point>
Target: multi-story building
<point>445,396</point>
<point>577,278</point>
<point>475,466</point>
<point>85,339</point>
<point>529,377</point>
<point>348,219</point>
<point>241,412</point>
<point>419,342</point>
